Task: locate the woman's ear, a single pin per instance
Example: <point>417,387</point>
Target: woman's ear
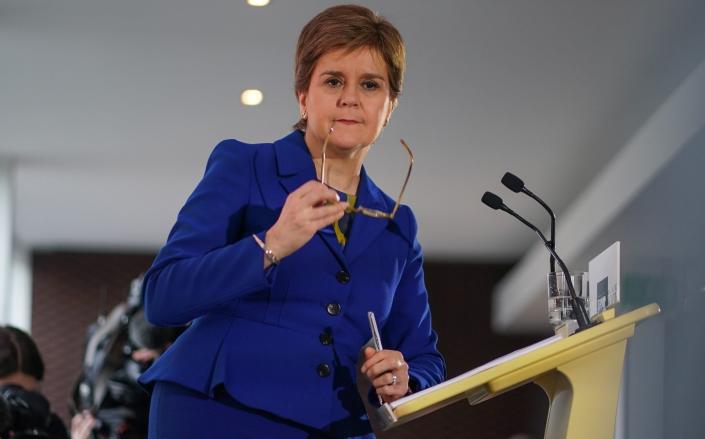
<point>301,96</point>
<point>392,106</point>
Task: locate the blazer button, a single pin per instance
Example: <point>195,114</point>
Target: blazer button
<point>343,277</point>
<point>323,370</point>
<point>325,338</point>
<point>333,309</point>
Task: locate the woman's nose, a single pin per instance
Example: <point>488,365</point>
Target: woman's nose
<point>348,97</point>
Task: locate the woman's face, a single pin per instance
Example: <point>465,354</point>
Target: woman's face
<point>351,91</point>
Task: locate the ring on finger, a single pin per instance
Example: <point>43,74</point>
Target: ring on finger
<point>394,380</point>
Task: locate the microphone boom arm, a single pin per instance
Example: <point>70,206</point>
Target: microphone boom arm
<point>580,312</point>
<point>552,242</point>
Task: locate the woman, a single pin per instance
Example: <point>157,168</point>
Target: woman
<point>277,271</point>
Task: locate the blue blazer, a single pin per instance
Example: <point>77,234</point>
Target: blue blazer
<point>285,340</point>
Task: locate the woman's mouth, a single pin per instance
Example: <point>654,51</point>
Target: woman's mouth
<point>346,121</point>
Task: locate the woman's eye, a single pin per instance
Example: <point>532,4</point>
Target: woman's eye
<point>370,85</point>
<point>333,82</point>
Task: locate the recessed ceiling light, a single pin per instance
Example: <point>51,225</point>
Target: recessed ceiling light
<point>258,2</point>
<point>251,97</point>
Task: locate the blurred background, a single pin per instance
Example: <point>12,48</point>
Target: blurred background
<point>109,110</point>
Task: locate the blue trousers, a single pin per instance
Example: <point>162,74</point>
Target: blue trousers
<point>177,412</point>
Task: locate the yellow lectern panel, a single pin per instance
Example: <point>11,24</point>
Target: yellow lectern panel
<point>580,372</point>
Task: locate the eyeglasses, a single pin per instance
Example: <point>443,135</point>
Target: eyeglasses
<point>374,213</point>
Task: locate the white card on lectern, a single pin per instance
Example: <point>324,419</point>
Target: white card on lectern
<point>604,280</point>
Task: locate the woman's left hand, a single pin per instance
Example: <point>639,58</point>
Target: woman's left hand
<point>388,373</point>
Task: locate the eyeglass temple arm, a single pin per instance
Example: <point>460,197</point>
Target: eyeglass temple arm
<point>406,180</point>
<point>323,156</point>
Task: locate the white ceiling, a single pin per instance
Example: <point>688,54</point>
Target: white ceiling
<point>108,110</point>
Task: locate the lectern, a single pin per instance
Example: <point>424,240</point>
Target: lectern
<point>580,374</point>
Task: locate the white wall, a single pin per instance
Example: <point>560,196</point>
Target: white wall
<point>652,199</point>
<point>15,271</point>
<point>5,239</point>
<point>519,301</point>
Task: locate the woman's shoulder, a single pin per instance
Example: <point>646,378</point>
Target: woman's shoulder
<point>234,149</point>
<point>407,221</point>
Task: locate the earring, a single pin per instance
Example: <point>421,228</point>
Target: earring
<point>304,115</point>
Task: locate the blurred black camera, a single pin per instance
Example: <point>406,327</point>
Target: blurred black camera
<point>107,386</point>
<point>23,413</point>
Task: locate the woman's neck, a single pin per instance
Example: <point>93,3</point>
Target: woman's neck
<point>341,174</point>
<point>343,167</point>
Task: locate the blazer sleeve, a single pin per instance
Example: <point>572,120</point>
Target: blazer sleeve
<point>409,325</point>
<point>204,263</point>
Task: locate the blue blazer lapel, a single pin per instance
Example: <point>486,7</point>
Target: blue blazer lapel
<point>294,164</point>
<point>280,168</point>
<point>364,228</point>
<point>294,168</point>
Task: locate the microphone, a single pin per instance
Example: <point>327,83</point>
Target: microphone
<point>581,314</point>
<point>514,183</point>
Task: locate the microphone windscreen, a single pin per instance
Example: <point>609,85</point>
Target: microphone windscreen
<point>513,182</point>
<point>492,200</point>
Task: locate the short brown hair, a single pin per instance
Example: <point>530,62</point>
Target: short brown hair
<point>348,27</point>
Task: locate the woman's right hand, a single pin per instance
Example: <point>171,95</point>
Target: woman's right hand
<point>306,210</point>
